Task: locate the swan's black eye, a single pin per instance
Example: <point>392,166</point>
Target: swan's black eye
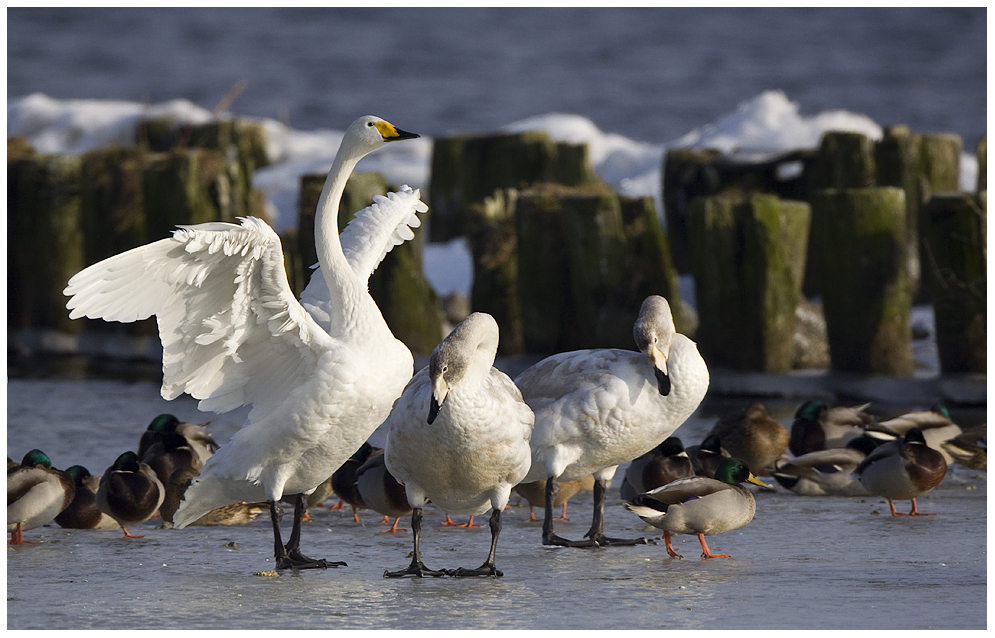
<point>369,123</point>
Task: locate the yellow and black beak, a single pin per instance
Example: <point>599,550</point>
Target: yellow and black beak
<point>391,133</point>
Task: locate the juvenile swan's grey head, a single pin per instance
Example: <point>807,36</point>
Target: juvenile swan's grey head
<point>654,331</point>
<point>469,348</point>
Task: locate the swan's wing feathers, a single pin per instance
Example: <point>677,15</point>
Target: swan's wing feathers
<point>376,229</point>
<point>220,295</point>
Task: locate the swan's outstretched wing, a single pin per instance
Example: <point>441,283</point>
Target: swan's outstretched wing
<point>229,323</point>
<point>366,240</point>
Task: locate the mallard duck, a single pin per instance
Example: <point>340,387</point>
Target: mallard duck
<point>36,494</point>
<point>935,424</point>
<point>700,506</point>
<point>826,472</point>
<point>320,373</point>
<point>171,452</point>
<point>196,436</point>
<point>969,448</point>
<point>129,492</point>
<point>753,435</point>
<point>902,469</point>
<point>83,512</point>
<point>707,457</point>
<point>232,514</point>
<point>819,427</point>
<point>344,478</point>
<point>663,464</point>
<point>381,492</point>
<point>472,448</point>
<point>597,409</point>
<point>535,494</point>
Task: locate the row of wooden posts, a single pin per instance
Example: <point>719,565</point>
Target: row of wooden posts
<point>560,259</point>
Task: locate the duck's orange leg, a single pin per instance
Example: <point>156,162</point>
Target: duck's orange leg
<point>915,511</point>
<point>17,537</point>
<point>337,506</point>
<point>394,529</point>
<point>386,520</point>
<point>306,518</point>
<point>469,524</point>
<point>670,548</point>
<point>704,549</point>
<point>448,521</point>
<point>532,517</point>
<point>563,517</point>
<point>128,535</point>
<point>355,514</point>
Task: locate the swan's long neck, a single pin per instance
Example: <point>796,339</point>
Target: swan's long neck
<point>347,293</point>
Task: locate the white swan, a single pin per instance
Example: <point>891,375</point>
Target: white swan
<point>459,436</point>
<point>320,375</point>
<point>597,409</point>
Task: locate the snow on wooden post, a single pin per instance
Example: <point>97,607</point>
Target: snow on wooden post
<point>748,259</point>
<point>43,217</point>
<point>859,240</point>
<point>954,247</point>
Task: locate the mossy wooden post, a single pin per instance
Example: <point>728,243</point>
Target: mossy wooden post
<point>648,264</point>
<point>398,285</point>
<point>748,259</point>
<point>44,220</point>
<point>859,241</point>
<point>185,187</point>
<point>897,162</point>
<point>543,286</point>
<point>466,169</point>
<point>939,173</point>
<point>686,175</point>
<point>954,245</point>
<point>113,213</point>
<point>18,149</point>
<point>493,240</point>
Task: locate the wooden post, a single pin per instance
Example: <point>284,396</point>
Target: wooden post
<point>44,221</point>
<point>113,214</point>
<point>185,187</point>
<point>982,153</point>
<point>897,160</point>
<point>860,244</point>
<point>493,240</point>
<point>954,246</point>
<point>685,177</point>
<point>748,259</point>
<point>844,160</point>
<point>466,169</point>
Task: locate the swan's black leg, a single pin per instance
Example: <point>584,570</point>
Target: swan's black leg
<point>416,568</point>
<point>548,537</point>
<point>596,533</point>
<point>488,568</point>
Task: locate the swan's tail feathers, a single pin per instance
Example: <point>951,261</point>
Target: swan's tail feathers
<point>376,229</point>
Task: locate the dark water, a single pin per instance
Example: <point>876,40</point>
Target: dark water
<point>802,563</point>
<point>650,74</point>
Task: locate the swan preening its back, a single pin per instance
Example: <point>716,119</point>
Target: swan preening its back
<point>320,374</point>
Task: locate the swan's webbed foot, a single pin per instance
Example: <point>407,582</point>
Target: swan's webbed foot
<point>559,541</point>
<point>417,569</point>
<point>606,541</point>
<point>487,569</point>
<point>294,559</point>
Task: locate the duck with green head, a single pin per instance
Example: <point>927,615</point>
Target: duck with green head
<point>936,425</point>
<point>129,492</point>
<point>902,469</point>
<point>827,472</point>
<point>36,494</point>
<point>196,436</point>
<point>700,506</point>
<point>819,427</point>
<point>83,512</point>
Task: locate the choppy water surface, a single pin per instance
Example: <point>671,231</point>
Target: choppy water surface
<point>802,563</point>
